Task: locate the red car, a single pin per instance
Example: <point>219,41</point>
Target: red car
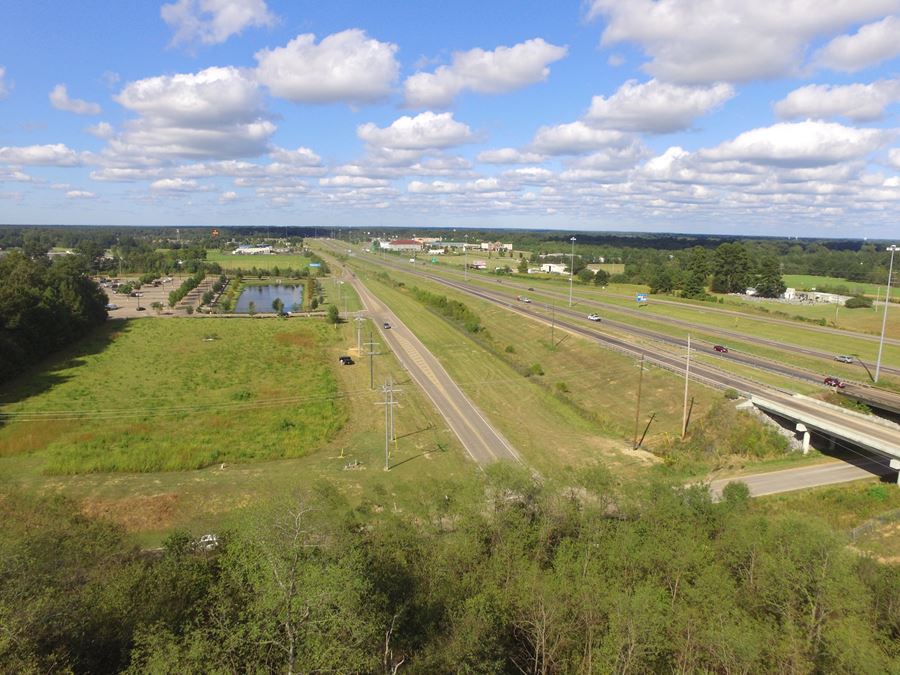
<point>834,382</point>
<point>720,349</point>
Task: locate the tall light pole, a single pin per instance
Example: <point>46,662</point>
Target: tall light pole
<point>887,301</point>
<point>466,259</point>
<point>571,270</point>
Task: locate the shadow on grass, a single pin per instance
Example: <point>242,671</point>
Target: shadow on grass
<point>440,448</point>
<point>52,371</point>
<point>417,431</point>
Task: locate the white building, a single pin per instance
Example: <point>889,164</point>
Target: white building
<point>402,245</point>
<point>250,249</point>
<point>554,268</point>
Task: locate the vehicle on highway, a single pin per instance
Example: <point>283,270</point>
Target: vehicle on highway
<point>843,358</point>
<point>720,349</point>
<point>530,288</point>
<point>346,360</point>
<point>386,325</point>
<point>593,317</point>
<point>834,382</point>
<point>526,299</point>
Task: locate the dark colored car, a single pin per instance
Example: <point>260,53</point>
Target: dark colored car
<point>346,360</point>
<point>720,349</point>
<point>386,325</point>
<point>834,382</point>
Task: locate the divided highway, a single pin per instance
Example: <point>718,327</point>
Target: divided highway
<point>700,371</point>
<point>483,443</point>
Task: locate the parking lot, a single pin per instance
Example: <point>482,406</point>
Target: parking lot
<point>127,306</point>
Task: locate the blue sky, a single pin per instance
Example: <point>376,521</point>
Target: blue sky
<point>769,118</point>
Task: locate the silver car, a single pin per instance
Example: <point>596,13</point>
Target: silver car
<point>843,358</point>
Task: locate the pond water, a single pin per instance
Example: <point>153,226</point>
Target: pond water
<point>264,296</point>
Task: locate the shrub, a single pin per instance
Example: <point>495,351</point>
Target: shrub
<point>858,302</point>
<point>535,369</point>
<point>732,394</point>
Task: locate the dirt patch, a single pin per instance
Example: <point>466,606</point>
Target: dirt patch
<point>135,514</point>
<point>296,339</point>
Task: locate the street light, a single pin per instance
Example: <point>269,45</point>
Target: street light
<point>887,301</point>
<point>466,258</point>
<point>571,270</point>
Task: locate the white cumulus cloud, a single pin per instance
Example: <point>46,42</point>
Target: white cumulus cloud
<point>487,72</point>
<point>344,67</point>
<point>177,185</point>
<point>574,138</point>
<point>229,196</point>
<point>60,100</point>
<point>55,154</point>
<point>4,86</point>
<point>425,131</point>
<point>656,107</point>
<point>698,41</point>
<point>870,45</point>
<point>80,194</point>
<point>214,21</point>
<point>799,144</point>
<point>858,102</point>
<point>509,156</point>
<point>216,112</point>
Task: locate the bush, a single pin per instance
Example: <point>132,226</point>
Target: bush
<point>535,369</point>
<point>732,394</point>
<point>858,302</point>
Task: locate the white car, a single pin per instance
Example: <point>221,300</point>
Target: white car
<point>843,358</point>
<point>526,299</point>
<point>593,317</point>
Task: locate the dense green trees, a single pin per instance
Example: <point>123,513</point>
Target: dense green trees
<point>44,306</point>
<point>520,576</point>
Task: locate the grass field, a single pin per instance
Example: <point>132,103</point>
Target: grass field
<point>179,395</point>
<point>244,379</point>
<point>808,282</point>
<point>246,262</point>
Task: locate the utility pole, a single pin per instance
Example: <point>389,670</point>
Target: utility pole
<point>388,404</point>
<point>359,321</point>
<point>887,301</point>
<point>687,377</point>
<point>637,411</point>
<point>572,278</point>
<point>372,353</point>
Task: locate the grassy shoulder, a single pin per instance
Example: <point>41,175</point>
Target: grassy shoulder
<point>867,512</point>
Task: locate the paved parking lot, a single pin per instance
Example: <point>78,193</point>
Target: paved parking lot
<point>128,306</point>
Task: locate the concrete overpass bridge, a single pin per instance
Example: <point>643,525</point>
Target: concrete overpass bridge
<point>872,434</point>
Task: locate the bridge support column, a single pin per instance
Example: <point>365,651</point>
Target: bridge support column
<point>831,442</point>
<point>801,429</point>
<point>895,464</point>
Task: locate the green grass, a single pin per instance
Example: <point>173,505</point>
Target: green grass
<point>246,262</point>
<point>810,281</point>
<point>174,395</point>
<point>841,506</point>
<point>155,363</point>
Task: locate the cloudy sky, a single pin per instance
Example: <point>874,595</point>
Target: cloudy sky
<point>768,117</point>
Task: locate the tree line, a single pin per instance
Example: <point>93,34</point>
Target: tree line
<point>512,575</point>
<point>44,306</point>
